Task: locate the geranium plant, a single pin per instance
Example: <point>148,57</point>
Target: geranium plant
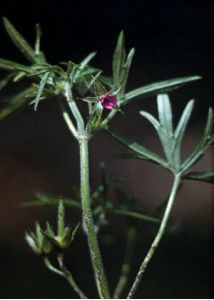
<point>88,100</point>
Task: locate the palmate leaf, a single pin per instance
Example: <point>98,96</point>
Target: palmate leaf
<point>20,42</point>
<point>207,176</point>
<point>163,126</point>
<point>158,88</point>
<point>166,141</point>
<point>170,140</point>
<point>139,150</point>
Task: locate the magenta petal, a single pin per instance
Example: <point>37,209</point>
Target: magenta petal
<point>108,101</point>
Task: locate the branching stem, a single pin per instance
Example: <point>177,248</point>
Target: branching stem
<point>64,272</point>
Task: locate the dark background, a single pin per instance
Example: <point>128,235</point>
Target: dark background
<point>172,39</point>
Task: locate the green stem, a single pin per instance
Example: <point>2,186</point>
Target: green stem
<point>100,277</point>
<point>105,122</point>
<point>51,268</point>
<point>67,274</point>
<point>157,239</point>
<point>73,107</point>
<point>64,272</point>
<point>68,121</point>
<point>125,270</point>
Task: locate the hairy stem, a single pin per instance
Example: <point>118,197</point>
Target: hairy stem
<point>157,239</point>
<point>100,277</point>
<point>125,270</point>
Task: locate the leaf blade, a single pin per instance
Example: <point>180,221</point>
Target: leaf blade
<point>165,113</point>
<point>16,102</point>
<point>118,59</point>
<point>9,65</point>
<point>140,150</point>
<point>158,88</point>
<point>206,176</point>
<point>42,84</point>
<point>205,140</point>
<point>180,130</point>
<point>125,75</point>
<point>20,42</point>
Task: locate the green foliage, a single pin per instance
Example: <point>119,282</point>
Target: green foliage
<point>20,42</point>
<point>207,176</point>
<point>102,208</point>
<point>207,139</point>
<point>42,84</point>
<point>121,64</point>
<point>170,139</point>
<point>46,200</point>
<point>16,102</point>
<point>74,82</point>
<point>139,151</point>
<point>158,88</point>
<point>8,65</point>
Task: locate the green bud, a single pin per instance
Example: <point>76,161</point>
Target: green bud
<point>38,242</point>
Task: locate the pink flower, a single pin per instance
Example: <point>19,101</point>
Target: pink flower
<point>108,101</point>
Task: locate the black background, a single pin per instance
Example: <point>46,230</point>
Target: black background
<point>172,39</point>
